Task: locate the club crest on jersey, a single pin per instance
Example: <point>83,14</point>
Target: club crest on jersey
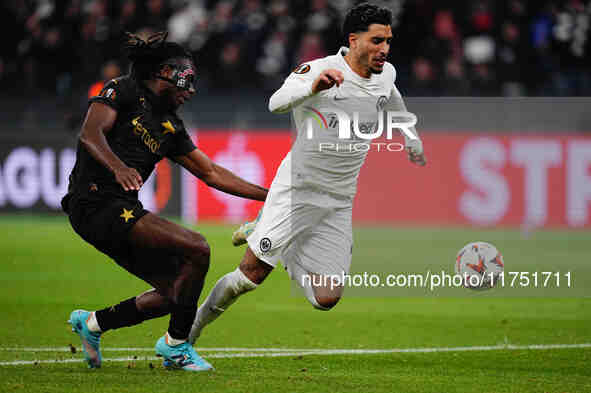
<point>109,93</point>
<point>265,244</point>
<point>302,69</point>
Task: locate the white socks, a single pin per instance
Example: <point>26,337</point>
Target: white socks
<point>173,342</point>
<point>92,323</point>
<point>224,293</point>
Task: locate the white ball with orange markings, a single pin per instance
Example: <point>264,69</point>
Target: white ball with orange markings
<point>480,265</point>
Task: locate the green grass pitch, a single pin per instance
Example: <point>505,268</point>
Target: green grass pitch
<point>46,271</point>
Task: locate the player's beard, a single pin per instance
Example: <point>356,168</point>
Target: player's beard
<point>376,70</point>
<point>364,59</point>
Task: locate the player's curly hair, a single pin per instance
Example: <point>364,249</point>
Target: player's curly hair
<point>360,17</point>
<point>147,56</point>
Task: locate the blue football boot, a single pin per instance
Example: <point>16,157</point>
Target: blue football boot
<point>182,356</point>
<point>90,340</point>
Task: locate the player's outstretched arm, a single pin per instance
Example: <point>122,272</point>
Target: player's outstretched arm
<point>414,147</point>
<point>200,165</point>
<point>99,120</point>
<point>297,89</point>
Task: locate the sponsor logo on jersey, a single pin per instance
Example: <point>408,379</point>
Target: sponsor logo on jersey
<point>144,134</point>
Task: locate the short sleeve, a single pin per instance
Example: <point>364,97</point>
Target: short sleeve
<point>183,144</point>
<point>114,94</point>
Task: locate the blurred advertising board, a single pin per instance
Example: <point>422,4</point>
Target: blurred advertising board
<point>471,179</point>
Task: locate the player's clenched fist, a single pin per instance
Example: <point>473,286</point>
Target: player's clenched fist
<point>418,159</point>
<point>129,178</point>
<point>416,155</point>
<point>326,80</point>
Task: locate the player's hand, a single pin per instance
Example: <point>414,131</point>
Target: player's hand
<point>128,178</point>
<point>416,154</point>
<point>415,158</point>
<point>326,80</point>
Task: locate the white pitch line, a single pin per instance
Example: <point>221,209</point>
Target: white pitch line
<point>150,349</point>
<point>58,361</point>
<point>283,352</point>
<point>351,351</point>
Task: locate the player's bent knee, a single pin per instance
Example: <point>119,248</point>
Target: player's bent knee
<point>200,246</point>
<point>324,303</point>
<point>199,252</point>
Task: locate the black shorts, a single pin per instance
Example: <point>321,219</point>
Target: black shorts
<point>104,222</point>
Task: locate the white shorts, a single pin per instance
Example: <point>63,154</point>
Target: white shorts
<point>304,227</point>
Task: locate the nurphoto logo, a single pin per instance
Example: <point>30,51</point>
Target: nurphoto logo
<point>357,133</point>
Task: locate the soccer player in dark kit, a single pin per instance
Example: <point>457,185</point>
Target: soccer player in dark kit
<point>130,126</point>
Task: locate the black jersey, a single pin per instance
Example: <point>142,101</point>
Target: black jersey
<point>145,131</point>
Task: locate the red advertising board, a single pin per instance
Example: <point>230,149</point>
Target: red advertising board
<point>470,179</point>
<point>475,179</point>
<point>254,156</point>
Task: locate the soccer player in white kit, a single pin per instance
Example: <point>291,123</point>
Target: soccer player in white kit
<point>306,219</point>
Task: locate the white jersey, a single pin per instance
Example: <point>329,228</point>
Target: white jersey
<point>308,165</point>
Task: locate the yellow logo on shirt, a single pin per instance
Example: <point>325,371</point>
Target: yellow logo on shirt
<point>144,134</point>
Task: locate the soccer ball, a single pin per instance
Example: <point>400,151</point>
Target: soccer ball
<point>480,265</point>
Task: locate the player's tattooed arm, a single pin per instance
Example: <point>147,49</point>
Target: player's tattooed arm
<point>200,165</point>
<point>99,120</point>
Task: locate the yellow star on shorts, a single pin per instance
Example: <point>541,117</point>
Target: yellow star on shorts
<point>127,214</point>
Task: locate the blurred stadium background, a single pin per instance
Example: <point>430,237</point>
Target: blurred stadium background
<point>441,48</point>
